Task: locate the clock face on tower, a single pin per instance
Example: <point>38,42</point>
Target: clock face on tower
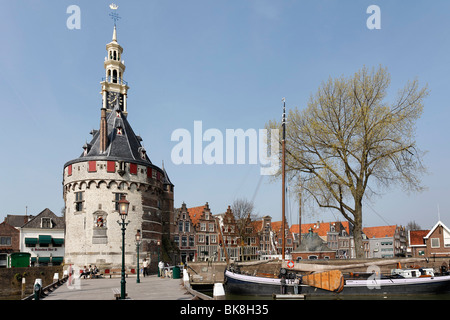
<point>113,99</point>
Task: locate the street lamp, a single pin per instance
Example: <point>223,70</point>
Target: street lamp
<point>123,212</point>
<point>158,243</point>
<point>138,242</point>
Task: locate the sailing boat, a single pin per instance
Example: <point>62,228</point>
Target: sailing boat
<point>316,279</point>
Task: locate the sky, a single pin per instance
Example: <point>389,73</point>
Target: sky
<point>226,63</point>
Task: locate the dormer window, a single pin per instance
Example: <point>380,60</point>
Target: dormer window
<point>46,223</point>
<point>119,131</point>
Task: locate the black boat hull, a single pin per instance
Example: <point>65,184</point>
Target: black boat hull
<point>248,285</point>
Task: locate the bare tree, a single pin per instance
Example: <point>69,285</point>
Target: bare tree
<point>244,215</point>
<point>349,141</point>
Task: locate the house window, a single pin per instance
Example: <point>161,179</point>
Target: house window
<point>184,241</point>
<point>201,238</point>
<point>176,239</point>
<point>202,226</point>
<point>435,243</point>
<point>186,226</point>
<point>211,227</point>
<point>191,241</point>
<point>5,241</point>
<point>79,199</point>
<point>180,226</point>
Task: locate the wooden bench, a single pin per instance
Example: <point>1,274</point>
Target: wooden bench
<point>116,292</point>
<point>111,272</point>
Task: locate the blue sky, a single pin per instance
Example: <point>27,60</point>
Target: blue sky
<point>225,63</point>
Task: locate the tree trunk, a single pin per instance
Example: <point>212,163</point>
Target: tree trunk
<point>357,230</point>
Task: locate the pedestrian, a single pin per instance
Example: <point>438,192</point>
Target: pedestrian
<point>145,265</point>
<point>161,268</point>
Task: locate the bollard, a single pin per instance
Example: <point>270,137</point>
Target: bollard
<point>23,287</point>
<point>218,292</point>
<point>37,289</point>
<point>186,278</point>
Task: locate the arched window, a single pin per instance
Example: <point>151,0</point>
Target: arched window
<point>114,76</point>
<point>115,58</point>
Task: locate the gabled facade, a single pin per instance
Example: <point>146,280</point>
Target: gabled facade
<point>43,238</point>
<point>229,239</point>
<point>278,232</point>
<point>207,238</point>
<point>184,234</point>
<point>437,241</point>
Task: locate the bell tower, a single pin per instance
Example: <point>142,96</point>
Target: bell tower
<point>114,87</point>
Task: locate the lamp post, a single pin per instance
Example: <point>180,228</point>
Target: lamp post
<point>138,242</point>
<point>123,212</point>
<point>158,243</point>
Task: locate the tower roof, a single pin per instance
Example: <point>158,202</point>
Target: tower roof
<point>123,144</point>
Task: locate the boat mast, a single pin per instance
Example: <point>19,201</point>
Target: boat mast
<point>283,204</point>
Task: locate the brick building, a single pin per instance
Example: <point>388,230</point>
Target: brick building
<point>312,247</point>
<point>184,234</point>
<point>437,241</point>
<point>9,242</point>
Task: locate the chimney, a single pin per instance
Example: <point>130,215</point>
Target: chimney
<point>103,131</point>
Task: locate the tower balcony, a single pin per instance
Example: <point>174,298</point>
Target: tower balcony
<point>117,80</point>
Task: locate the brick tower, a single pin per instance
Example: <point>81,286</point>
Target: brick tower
<point>112,164</point>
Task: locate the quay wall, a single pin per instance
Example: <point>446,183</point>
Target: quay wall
<point>11,280</point>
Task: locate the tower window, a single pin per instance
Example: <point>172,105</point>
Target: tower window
<point>114,76</point>
<point>117,197</point>
<point>79,199</point>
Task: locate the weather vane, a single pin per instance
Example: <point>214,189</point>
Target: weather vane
<point>114,15</point>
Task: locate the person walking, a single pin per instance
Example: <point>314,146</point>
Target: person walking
<point>161,269</point>
<point>145,265</point>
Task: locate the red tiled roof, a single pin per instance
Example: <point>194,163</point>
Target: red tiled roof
<point>379,232</point>
<point>195,213</point>
<point>416,237</point>
<point>320,228</point>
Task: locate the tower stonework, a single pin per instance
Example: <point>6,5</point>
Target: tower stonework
<point>112,164</point>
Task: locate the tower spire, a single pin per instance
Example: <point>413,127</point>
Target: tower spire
<point>114,37</point>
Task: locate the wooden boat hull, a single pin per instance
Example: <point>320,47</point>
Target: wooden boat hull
<point>239,284</point>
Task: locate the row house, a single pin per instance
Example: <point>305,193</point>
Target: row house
<point>385,241</point>
<point>229,238</point>
<point>184,235</point>
<point>430,243</point>
<point>278,233</point>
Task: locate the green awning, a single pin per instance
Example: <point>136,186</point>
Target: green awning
<point>45,239</point>
<point>44,259</point>
<point>57,259</point>
<point>31,240</point>
<point>58,241</point>
<point>33,259</point>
